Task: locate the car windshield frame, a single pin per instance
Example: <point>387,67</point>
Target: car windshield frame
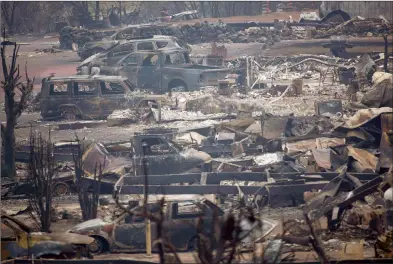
<point>186,57</point>
<point>128,84</point>
<point>15,224</point>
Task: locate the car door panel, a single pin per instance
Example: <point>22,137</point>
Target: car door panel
<point>131,237</point>
<point>59,93</point>
<point>112,95</point>
<point>162,157</point>
<point>119,52</point>
<point>86,97</point>
<point>149,72</point>
<point>129,67</point>
<point>183,223</point>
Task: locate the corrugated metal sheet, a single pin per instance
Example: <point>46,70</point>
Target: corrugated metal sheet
<point>367,9</point>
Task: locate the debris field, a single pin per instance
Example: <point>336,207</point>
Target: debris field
<point>304,142</point>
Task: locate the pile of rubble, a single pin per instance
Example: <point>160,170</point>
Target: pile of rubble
<point>211,32</point>
<point>358,27</point>
<point>192,34</point>
<point>80,36</point>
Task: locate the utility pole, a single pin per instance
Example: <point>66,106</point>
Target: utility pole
<point>386,53</point>
<point>120,13</point>
<point>97,11</point>
<point>146,186</point>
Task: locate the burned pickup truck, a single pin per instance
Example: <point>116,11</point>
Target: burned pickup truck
<point>89,97</point>
<point>163,70</point>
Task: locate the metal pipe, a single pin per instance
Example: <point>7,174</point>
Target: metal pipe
<point>145,198</point>
<point>248,72</point>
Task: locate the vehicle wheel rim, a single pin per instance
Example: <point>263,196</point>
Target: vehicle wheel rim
<point>95,247</point>
<point>69,115</point>
<point>61,190</point>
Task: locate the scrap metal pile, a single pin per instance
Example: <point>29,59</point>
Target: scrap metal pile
<point>311,132</point>
<point>335,157</point>
<point>221,32</point>
<point>80,36</point>
<point>357,27</point>
<point>192,34</point>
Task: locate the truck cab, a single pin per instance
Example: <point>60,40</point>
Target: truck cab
<point>165,70</point>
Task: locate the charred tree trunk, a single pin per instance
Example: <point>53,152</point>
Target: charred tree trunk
<point>386,58</point>
<point>13,108</point>
<point>97,11</point>
<point>120,14</point>
<point>203,8</point>
<point>8,12</point>
<point>9,148</point>
<point>42,172</point>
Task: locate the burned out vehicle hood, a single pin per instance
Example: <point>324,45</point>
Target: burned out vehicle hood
<point>104,44</point>
<point>88,226</point>
<point>63,237</point>
<point>89,59</point>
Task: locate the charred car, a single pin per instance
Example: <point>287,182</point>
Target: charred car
<point>127,232</point>
<point>135,32</point>
<point>19,240</point>
<point>186,15</point>
<point>164,70</point>
<point>113,51</point>
<point>89,97</point>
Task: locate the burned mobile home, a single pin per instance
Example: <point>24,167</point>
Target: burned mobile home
<point>164,70</point>
<point>89,97</point>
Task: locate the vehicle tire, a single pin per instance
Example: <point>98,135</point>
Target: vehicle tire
<point>100,245</point>
<point>176,85</point>
<point>61,189</point>
<point>68,114</point>
<point>192,244</point>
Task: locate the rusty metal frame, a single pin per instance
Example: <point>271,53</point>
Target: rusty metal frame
<point>130,261</point>
<point>80,261</point>
<point>273,190</point>
<point>217,177</point>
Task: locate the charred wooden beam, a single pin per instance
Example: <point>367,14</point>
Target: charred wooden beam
<point>217,177</point>
<point>274,190</point>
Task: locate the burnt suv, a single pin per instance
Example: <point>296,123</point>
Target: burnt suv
<point>130,33</point>
<point>89,97</point>
<point>121,48</point>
